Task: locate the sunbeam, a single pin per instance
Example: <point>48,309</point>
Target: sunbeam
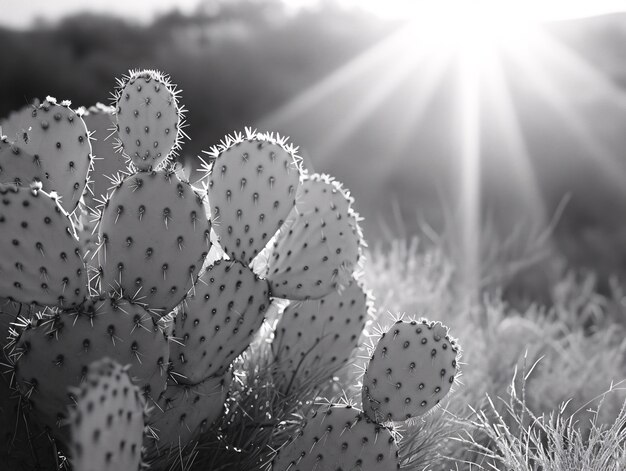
<point>506,125</point>
<point>571,117</point>
<point>393,84</point>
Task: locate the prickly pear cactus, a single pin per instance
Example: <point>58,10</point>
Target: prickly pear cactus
<point>318,336</point>
<point>52,139</point>
<point>218,320</point>
<point>54,353</point>
<point>320,245</point>
<point>41,260</point>
<point>108,421</point>
<point>411,369</point>
<point>252,188</point>
<point>283,234</point>
<point>149,119</point>
<point>339,437</point>
<point>154,238</point>
<point>183,412</point>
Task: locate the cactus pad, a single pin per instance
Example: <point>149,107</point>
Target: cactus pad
<point>149,120</point>
<point>41,260</point>
<point>183,411</point>
<point>252,189</point>
<point>339,437</point>
<point>154,236</point>
<point>218,320</point>
<point>318,336</point>
<point>319,247</point>
<point>56,142</point>
<point>411,369</point>
<point>55,352</point>
<point>108,422</point>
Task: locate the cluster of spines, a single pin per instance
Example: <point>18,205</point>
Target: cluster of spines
<point>249,134</point>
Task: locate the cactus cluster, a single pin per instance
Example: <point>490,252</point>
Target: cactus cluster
<point>127,292</point>
<point>411,368</point>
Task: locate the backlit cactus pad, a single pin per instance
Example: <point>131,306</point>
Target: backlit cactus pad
<point>412,368</point>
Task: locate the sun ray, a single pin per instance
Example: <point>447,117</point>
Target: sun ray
<point>506,124</point>
<point>341,79</point>
<point>469,93</point>
<point>431,74</point>
<point>573,118</point>
<point>357,89</point>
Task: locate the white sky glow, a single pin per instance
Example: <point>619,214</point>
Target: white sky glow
<point>21,13</point>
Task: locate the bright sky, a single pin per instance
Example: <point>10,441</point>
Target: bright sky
<point>21,13</point>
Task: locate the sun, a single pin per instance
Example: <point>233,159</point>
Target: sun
<point>473,44</point>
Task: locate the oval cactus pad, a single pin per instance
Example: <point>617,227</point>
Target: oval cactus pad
<point>108,422</point>
<point>319,247</point>
<point>149,119</point>
<point>339,437</point>
<point>58,141</point>
<point>218,320</point>
<point>412,368</point>
<point>184,411</point>
<point>317,337</point>
<point>154,237</point>
<point>252,189</point>
<point>56,351</point>
<point>41,260</point>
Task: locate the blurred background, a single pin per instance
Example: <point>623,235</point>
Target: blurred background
<point>498,124</point>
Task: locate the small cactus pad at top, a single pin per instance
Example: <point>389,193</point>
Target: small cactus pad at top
<point>106,162</point>
<point>317,337</point>
<point>56,351</point>
<point>41,259</point>
<point>56,140</point>
<point>319,247</point>
<point>252,188</point>
<point>411,369</point>
<point>154,237</point>
<point>183,412</point>
<point>339,437</point>
<point>218,320</point>
<point>108,422</point>
<point>149,119</point>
